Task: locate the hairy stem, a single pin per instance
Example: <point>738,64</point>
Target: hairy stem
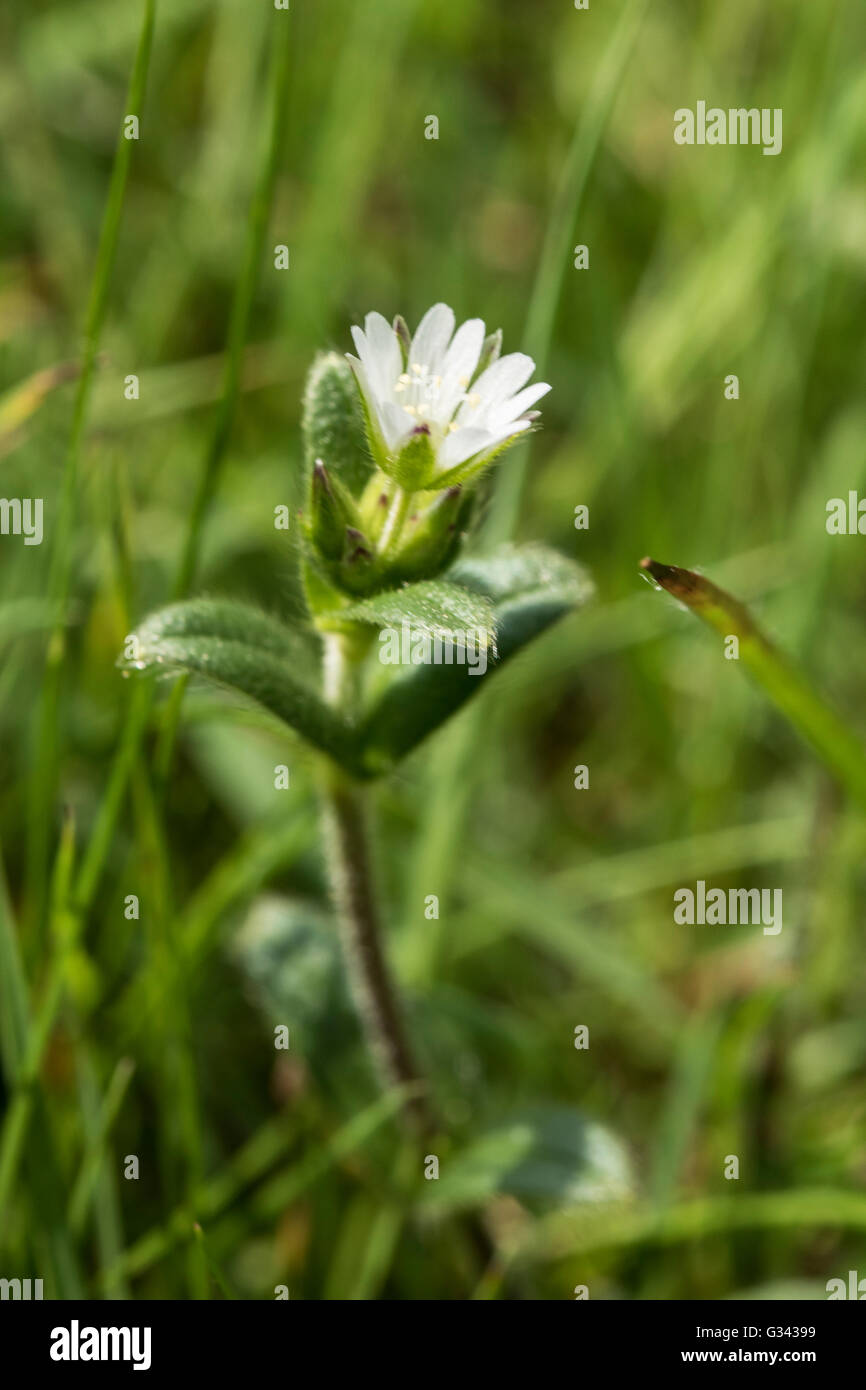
<point>353,885</point>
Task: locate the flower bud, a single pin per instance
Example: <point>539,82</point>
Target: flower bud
<point>331,511</point>
<point>357,572</point>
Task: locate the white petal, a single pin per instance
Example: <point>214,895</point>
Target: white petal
<point>506,432</point>
<point>386,358</point>
<point>458,366</point>
<point>432,337</point>
<point>461,445</point>
<point>515,406</point>
<point>461,359</point>
<point>503,378</point>
<point>362,379</point>
<point>396,424</point>
<point>360,340</point>
<point>367,361</point>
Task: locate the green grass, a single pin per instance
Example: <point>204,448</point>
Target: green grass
<point>152,1035</point>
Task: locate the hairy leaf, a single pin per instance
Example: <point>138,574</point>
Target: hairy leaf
<point>332,423</point>
<point>549,1155</point>
<point>529,588</point>
<point>433,606</point>
<point>245,650</point>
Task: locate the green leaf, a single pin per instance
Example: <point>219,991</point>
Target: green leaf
<point>503,601</point>
<point>290,952</point>
<point>525,574</point>
<point>242,648</point>
<point>333,424</point>
<point>227,619</point>
<point>548,1155</point>
<point>433,606</point>
<point>530,588</point>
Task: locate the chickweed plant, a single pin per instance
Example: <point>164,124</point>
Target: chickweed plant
<point>397,440</point>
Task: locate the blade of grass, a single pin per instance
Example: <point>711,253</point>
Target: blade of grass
<point>98,1131</point>
<point>547,289</point>
<point>46,751</point>
<point>242,303</point>
<point>182,1133</point>
<point>210,1264</point>
<point>275,1195</point>
<point>688,1088</point>
<point>140,706</point>
<point>96,1186</point>
<point>16,1121</point>
<point>43,1173</point>
<point>584,1230</point>
<point>235,879</point>
<point>839,749</point>
<point>20,1109</point>
<point>22,401</point>
<point>14,997</point>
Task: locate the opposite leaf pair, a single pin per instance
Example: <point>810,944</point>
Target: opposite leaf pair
<point>514,594</point>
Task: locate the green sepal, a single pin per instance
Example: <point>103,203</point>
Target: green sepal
<point>331,510</point>
<point>414,466</point>
<point>404,337</point>
<point>471,469</point>
<point>490,350</point>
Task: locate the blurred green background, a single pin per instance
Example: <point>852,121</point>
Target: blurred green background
<point>153,1036</point>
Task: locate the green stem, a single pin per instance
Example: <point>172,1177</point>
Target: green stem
<point>355,895</point>
<point>395,520</point>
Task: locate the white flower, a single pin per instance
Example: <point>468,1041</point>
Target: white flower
<point>431,391</point>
